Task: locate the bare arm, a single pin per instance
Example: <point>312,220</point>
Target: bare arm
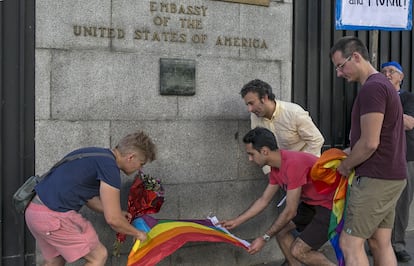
<point>258,206</point>
<point>110,200</point>
<point>367,144</point>
<point>288,213</point>
<point>347,150</point>
<point>95,204</point>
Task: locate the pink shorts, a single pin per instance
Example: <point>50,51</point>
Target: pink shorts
<point>65,234</point>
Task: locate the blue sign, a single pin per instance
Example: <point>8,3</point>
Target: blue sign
<point>388,15</point>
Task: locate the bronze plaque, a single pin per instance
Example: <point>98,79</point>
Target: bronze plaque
<point>250,2</point>
<point>177,77</point>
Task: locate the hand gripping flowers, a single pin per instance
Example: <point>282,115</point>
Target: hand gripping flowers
<point>146,196</point>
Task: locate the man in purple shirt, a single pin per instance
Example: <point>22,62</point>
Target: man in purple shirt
<point>377,155</point>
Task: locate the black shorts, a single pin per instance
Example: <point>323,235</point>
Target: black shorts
<point>312,223</point>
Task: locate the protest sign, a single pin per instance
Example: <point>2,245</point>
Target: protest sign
<point>374,15</point>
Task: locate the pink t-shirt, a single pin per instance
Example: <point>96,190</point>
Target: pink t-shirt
<point>294,172</point>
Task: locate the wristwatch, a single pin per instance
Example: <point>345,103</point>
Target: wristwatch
<point>266,237</point>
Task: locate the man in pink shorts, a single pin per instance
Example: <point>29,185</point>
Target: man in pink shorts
<point>53,217</point>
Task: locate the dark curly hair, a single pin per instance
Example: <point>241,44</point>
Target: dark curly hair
<point>258,86</point>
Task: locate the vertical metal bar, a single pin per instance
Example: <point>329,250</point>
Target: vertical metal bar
<point>311,101</point>
<point>27,109</point>
<point>1,135</point>
<point>374,48</point>
<point>326,109</point>
<point>10,174</point>
<point>299,52</point>
<point>17,124</point>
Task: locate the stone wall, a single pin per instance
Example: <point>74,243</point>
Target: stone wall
<point>98,78</point>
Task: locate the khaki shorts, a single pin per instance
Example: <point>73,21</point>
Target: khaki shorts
<point>371,205</point>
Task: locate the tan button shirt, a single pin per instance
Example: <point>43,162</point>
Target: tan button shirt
<point>293,128</point>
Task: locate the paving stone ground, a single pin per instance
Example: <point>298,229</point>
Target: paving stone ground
<point>327,249</point>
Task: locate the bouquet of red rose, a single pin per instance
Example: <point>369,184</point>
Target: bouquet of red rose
<point>146,196</point>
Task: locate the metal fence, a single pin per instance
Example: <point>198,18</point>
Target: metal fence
<point>315,85</point>
<point>17,124</point>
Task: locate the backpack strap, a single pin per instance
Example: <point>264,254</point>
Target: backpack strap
<point>74,157</point>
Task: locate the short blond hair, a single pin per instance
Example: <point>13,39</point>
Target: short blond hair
<point>138,141</point>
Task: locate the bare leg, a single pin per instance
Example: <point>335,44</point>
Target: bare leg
<point>353,249</point>
<point>380,245</point>
<point>285,239</point>
<point>97,257</point>
<point>304,253</point>
<point>56,261</point>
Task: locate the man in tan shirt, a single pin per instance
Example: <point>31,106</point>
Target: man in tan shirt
<point>291,124</point>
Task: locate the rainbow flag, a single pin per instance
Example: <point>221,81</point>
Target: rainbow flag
<point>166,236</point>
<point>326,179</point>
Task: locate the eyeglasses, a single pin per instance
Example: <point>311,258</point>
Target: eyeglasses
<point>341,66</point>
<point>389,71</point>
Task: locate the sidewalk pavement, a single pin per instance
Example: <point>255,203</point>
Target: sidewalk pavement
<point>329,252</point>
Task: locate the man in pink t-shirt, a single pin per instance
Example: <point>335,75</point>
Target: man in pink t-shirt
<point>306,211</point>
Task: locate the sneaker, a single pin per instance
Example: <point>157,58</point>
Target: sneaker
<point>402,256</point>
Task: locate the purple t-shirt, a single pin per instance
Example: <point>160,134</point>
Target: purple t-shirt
<point>377,95</point>
<point>73,183</point>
